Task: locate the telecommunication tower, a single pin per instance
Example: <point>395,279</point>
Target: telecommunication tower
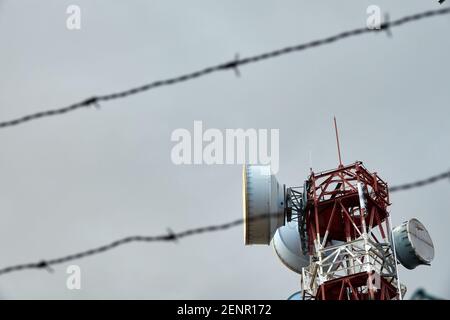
<point>335,231</point>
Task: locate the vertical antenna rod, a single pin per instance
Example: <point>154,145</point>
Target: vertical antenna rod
<point>337,142</point>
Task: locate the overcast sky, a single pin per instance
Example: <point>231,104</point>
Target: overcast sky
<point>81,180</point>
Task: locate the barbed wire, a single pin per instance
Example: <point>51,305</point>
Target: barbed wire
<point>174,237</point>
<point>421,183</point>
<point>231,65</point>
<point>169,237</point>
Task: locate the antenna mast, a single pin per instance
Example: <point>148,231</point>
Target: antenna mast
<point>337,142</point>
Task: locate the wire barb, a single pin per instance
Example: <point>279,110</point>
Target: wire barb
<point>387,25</point>
<point>171,236</point>
<point>236,69</point>
<point>44,265</point>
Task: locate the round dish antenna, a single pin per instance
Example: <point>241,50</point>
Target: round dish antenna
<point>287,245</point>
<point>413,244</point>
<point>263,204</point>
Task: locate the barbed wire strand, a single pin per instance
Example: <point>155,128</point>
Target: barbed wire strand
<point>231,65</point>
<point>421,183</point>
<point>169,237</point>
<point>173,237</point>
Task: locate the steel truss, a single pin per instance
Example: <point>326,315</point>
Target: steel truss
<point>345,219</point>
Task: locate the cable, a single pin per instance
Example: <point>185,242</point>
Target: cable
<point>232,65</point>
<point>173,237</point>
<point>420,183</point>
<point>170,237</point>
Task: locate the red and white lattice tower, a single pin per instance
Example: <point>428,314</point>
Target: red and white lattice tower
<point>347,234</point>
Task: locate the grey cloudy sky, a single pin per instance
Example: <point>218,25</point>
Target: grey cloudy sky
<point>81,180</point>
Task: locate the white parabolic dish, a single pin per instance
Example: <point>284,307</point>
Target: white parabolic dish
<point>287,245</point>
<point>413,244</point>
<point>263,202</point>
